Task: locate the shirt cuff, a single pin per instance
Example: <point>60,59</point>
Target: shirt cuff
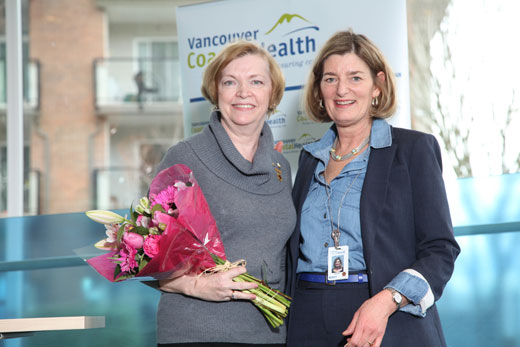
<point>414,286</point>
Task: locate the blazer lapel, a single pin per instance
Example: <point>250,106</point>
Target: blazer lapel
<point>307,165</point>
<point>373,193</point>
<point>303,179</point>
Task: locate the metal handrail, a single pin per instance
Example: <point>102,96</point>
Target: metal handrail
<point>41,263</point>
<point>70,261</point>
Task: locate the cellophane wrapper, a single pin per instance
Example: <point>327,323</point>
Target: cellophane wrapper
<point>186,243</point>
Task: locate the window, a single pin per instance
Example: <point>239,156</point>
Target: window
<point>464,87</point>
<point>158,61</point>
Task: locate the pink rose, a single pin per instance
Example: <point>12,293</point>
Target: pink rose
<point>161,217</point>
<point>133,240</point>
<point>151,245</point>
<point>161,220</point>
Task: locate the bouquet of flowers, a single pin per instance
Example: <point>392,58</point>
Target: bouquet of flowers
<point>170,234</point>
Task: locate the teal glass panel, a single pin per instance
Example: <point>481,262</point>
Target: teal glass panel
<point>51,281</point>
<point>129,308</point>
<point>485,204</point>
<point>481,304</point>
<point>40,275</point>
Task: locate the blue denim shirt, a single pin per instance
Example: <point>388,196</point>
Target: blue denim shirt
<point>319,217</point>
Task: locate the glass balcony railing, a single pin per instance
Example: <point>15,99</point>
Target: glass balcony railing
<point>141,83</point>
<point>31,85</point>
<point>41,275</point>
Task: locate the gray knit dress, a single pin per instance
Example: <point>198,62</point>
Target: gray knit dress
<point>255,215</point>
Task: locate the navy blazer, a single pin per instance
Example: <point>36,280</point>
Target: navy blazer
<point>405,223</point>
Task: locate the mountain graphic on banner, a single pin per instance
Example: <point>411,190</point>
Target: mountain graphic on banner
<point>286,22</point>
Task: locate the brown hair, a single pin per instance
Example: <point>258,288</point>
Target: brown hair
<point>231,52</point>
<point>341,43</point>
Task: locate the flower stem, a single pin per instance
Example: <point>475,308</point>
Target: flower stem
<point>272,303</point>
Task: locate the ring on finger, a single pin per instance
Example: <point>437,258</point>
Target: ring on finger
<point>233,296</point>
<point>370,343</point>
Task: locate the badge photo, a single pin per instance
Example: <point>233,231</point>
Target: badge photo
<point>337,268</point>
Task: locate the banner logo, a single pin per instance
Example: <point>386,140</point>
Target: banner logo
<point>286,17</point>
<point>291,36</point>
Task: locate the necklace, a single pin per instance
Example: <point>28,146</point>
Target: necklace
<point>335,232</point>
<point>350,154</point>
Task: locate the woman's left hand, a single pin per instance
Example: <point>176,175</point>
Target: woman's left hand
<point>369,323</point>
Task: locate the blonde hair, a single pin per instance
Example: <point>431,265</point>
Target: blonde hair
<point>341,43</point>
<point>231,52</point>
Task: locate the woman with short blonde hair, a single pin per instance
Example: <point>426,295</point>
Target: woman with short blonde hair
<point>247,185</point>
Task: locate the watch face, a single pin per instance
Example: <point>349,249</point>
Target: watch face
<point>397,297</point>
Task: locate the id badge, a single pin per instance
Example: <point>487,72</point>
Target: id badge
<point>337,263</point>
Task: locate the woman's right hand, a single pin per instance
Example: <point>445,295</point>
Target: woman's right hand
<point>212,287</point>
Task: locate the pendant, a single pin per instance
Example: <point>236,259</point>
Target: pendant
<point>335,236</point>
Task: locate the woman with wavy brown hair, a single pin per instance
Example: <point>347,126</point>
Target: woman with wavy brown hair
<point>374,195</point>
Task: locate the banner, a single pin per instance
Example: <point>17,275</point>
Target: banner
<point>293,31</point>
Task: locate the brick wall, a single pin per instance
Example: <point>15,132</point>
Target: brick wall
<point>65,36</point>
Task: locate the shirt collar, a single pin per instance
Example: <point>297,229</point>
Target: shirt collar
<point>381,134</point>
<point>380,137</point>
<point>320,149</point>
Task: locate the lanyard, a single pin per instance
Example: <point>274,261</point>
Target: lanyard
<point>335,232</point>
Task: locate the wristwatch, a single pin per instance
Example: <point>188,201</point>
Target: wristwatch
<point>397,297</point>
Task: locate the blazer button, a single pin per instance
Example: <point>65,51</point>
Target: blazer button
<point>326,245</point>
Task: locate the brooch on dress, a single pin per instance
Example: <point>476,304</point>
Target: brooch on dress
<point>278,170</point>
